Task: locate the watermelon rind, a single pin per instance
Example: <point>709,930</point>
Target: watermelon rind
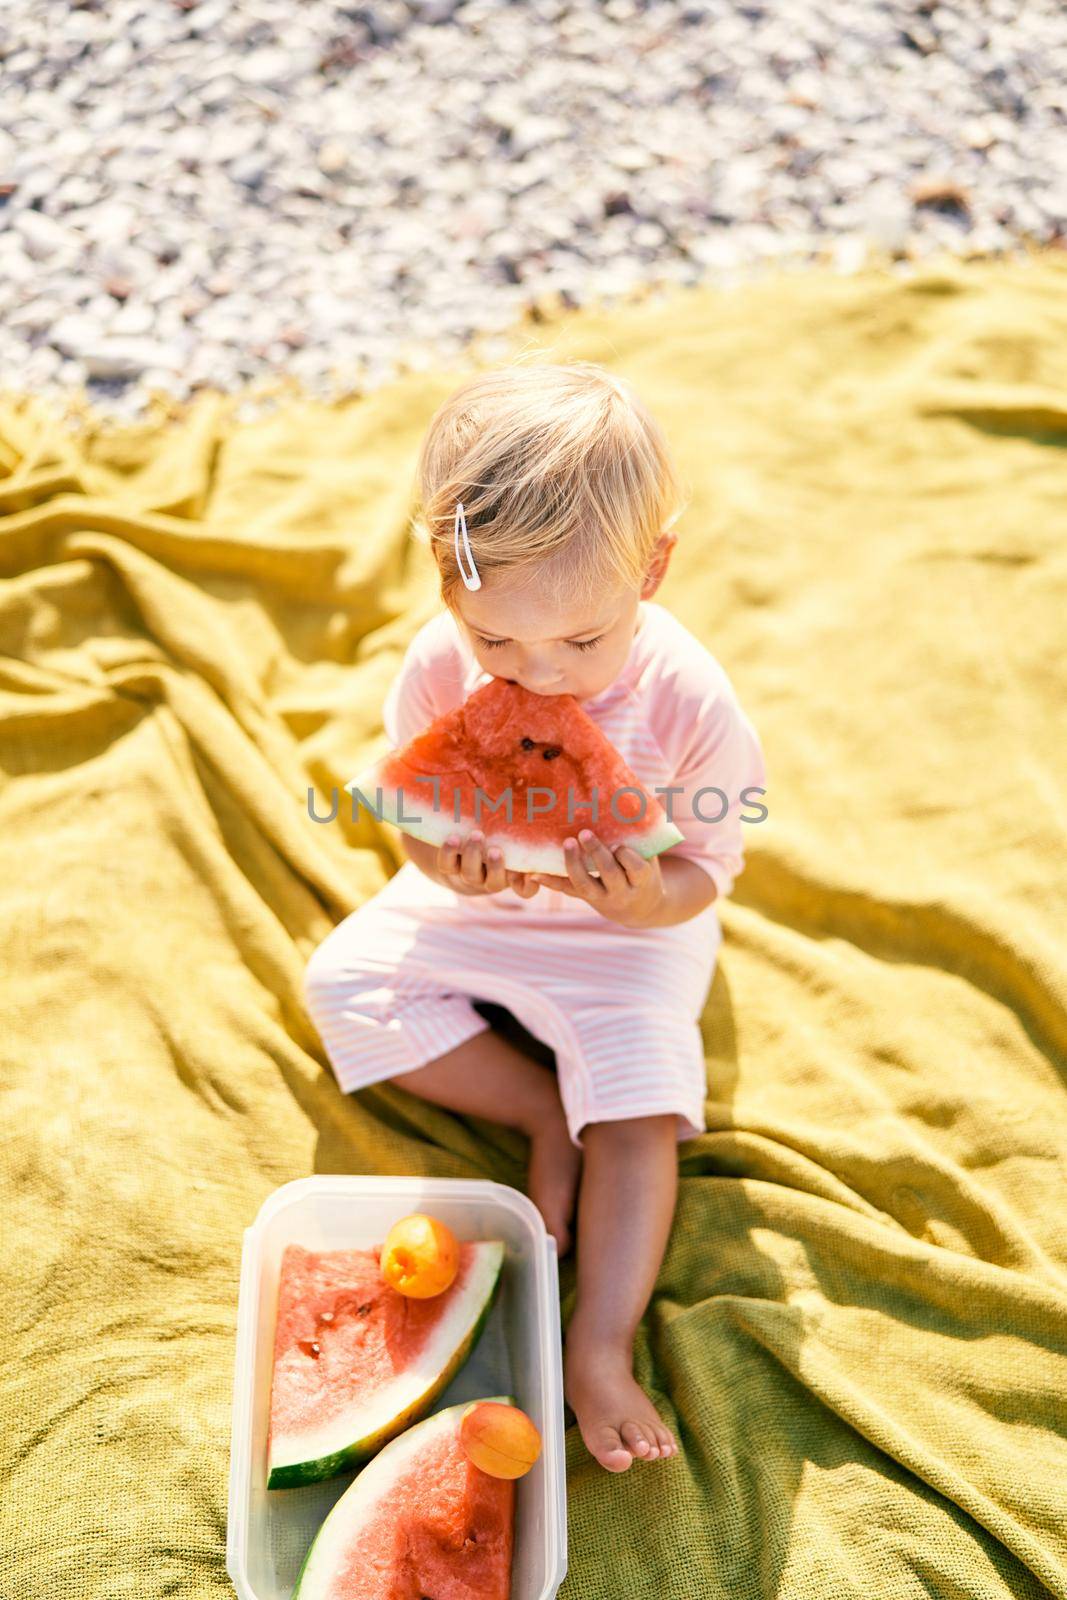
<point>359,1432</point>
<point>520,855</point>
<point>318,1571</point>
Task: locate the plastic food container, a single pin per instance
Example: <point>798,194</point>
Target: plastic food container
<point>269,1532</point>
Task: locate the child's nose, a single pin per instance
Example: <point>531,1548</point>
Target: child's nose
<point>541,679</point>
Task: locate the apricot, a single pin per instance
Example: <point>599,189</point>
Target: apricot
<point>502,1440</point>
<point>420,1256</point>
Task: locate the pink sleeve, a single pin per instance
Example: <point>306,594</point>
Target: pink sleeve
<point>723,753</point>
<point>429,683</point>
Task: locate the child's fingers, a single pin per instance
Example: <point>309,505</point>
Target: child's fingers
<point>472,860</point>
<point>588,886</point>
<point>611,874</point>
<point>461,859</point>
<point>448,856</point>
<point>548,880</point>
<point>483,868</point>
<point>636,867</point>
<point>496,873</point>
<point>523,884</point>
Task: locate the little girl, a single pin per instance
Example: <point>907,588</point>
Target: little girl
<point>567,494</point>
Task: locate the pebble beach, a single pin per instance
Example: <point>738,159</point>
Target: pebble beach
<point>230,196</point>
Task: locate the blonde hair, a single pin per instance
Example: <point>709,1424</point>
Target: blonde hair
<point>563,473</point>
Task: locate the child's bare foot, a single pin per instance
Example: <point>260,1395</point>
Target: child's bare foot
<point>617,1419</point>
<point>553,1177</point>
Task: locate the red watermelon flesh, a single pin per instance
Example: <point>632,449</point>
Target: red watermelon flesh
<point>421,1522</point>
<point>355,1361</point>
<point>504,736</point>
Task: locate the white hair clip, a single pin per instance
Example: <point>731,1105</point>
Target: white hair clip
<point>473,581</point>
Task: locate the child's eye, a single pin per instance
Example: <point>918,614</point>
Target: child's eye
<point>581,644</point>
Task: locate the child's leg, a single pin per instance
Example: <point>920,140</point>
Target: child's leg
<point>625,1209</point>
<point>488,1076</point>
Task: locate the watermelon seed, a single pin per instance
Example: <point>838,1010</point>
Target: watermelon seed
<point>551,752</point>
<point>347,1302</point>
<point>527,744</point>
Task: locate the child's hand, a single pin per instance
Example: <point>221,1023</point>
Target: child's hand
<point>629,889</point>
<point>469,870</point>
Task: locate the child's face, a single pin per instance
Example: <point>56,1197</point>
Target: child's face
<point>540,646</point>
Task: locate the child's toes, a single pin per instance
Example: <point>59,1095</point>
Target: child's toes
<point>666,1441</point>
<point>637,1438</point>
<point>607,1445</point>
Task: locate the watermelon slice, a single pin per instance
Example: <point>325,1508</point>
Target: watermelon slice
<point>422,1522</point>
<point>355,1361</point>
<point>505,737</point>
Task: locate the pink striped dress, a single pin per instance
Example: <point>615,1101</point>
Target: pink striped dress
<point>391,988</point>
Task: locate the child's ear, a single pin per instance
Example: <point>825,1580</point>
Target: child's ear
<point>659,563</point>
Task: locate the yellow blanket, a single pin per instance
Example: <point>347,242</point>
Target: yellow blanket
<point>858,1331</point>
